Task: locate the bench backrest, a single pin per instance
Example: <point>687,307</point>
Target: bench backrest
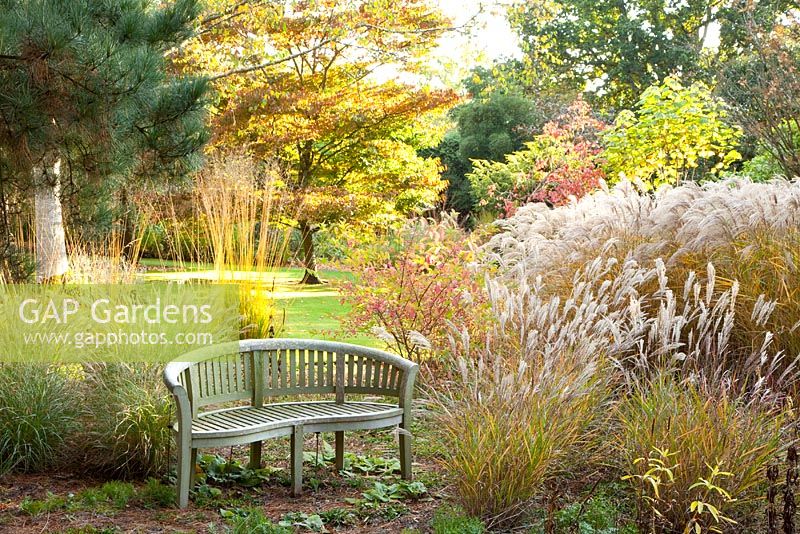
<point>258,369</point>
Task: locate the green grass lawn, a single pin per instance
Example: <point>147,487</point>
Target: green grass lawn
<point>310,311</point>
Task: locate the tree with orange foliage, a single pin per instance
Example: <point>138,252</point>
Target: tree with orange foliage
<point>332,90</point>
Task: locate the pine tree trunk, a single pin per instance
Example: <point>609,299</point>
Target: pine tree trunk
<point>51,249</point>
<point>128,227</point>
<point>310,276</point>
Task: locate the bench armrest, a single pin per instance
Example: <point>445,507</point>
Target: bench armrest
<point>180,395</point>
<point>407,385</point>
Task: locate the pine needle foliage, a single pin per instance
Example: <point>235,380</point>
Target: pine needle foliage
<point>88,80</point>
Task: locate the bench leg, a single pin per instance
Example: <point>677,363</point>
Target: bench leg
<point>193,468</point>
<point>339,450</point>
<point>297,461</point>
<point>185,469</point>
<point>255,455</point>
<point>405,453</point>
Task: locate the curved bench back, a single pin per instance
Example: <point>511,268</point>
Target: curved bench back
<point>258,369</point>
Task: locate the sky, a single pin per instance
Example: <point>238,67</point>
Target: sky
<point>490,37</point>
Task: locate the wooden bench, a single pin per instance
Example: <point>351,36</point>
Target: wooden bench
<point>258,370</point>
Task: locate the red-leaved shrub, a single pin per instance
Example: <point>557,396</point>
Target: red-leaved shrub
<point>413,290</point>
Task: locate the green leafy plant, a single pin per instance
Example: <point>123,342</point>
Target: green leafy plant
<point>302,520</point>
<point>674,437</point>
<point>353,464</point>
<point>677,133</point>
<point>369,465</point>
<point>338,517</point>
<point>252,521</point>
<point>381,493</point>
<point>220,470</point>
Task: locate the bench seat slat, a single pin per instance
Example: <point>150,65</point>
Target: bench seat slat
<point>254,419</point>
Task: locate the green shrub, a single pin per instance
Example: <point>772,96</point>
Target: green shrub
<point>674,435</point>
<point>38,413</point>
<point>762,168</point>
<point>127,415</point>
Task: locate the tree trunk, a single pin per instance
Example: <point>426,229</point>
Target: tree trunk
<point>51,249</point>
<point>310,276</point>
<point>128,227</point>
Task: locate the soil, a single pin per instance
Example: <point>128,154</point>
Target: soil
<point>204,515</point>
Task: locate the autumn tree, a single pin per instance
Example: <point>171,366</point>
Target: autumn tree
<point>763,90</point>
<point>328,89</point>
<point>84,88</point>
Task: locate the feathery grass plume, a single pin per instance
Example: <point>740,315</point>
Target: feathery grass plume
<point>242,206</point>
<point>520,412</point>
<point>106,262</point>
<point>627,222</point>
<point>670,302</point>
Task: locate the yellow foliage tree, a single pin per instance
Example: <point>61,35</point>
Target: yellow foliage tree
<point>332,90</point>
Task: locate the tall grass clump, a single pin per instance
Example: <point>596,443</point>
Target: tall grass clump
<point>38,415</point>
<point>127,418</point>
<point>522,411</point>
<point>242,206</point>
<point>110,261</point>
<point>666,306</point>
<point>508,433</point>
<point>680,443</point>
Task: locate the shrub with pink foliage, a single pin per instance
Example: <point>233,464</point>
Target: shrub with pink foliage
<point>408,292</point>
<point>561,163</point>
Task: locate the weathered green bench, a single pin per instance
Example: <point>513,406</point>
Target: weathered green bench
<point>258,370</point>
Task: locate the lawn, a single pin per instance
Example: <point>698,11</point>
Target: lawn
<point>310,311</point>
